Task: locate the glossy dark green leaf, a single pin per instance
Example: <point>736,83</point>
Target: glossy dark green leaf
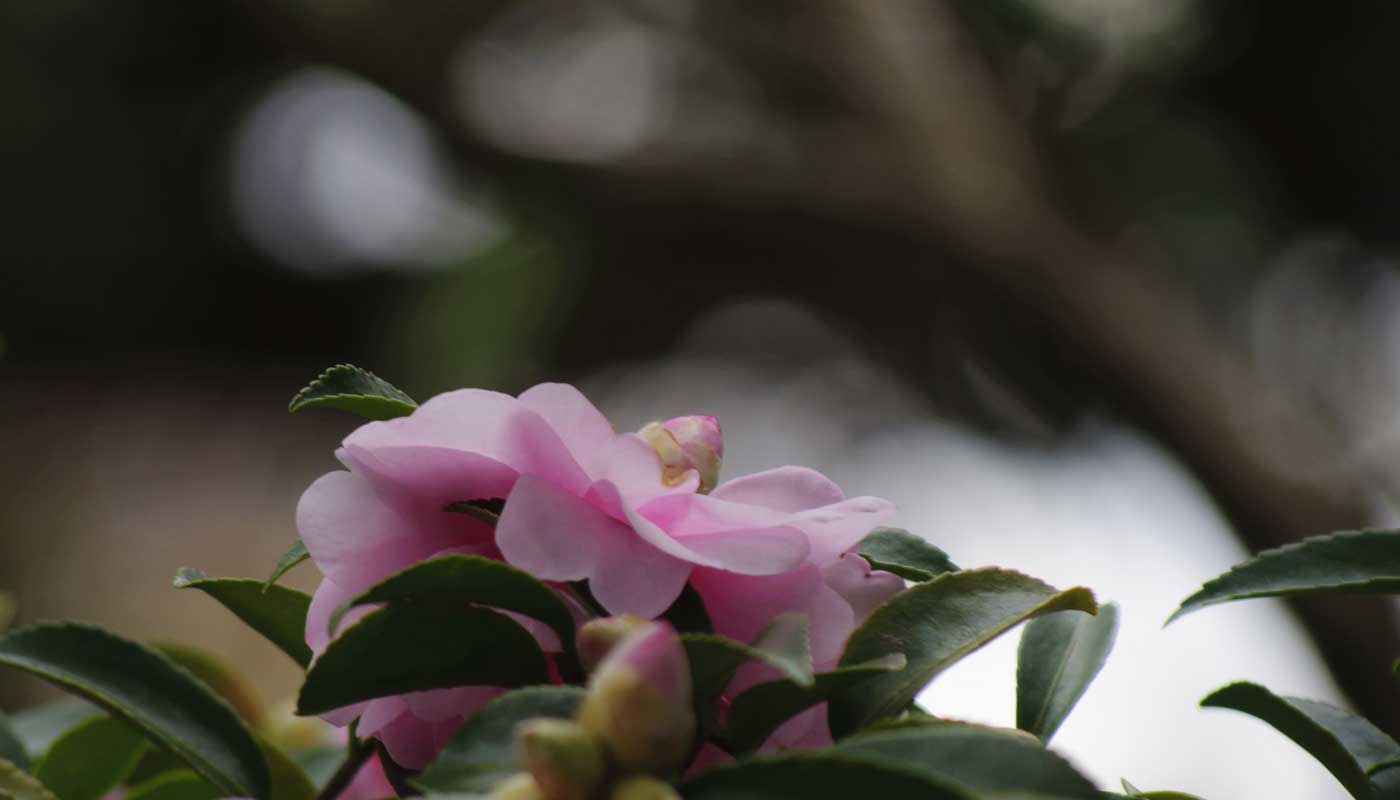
<point>180,784</point>
<point>820,774</point>
<point>909,556</point>
<point>1350,561</point>
<point>276,612</point>
<point>934,624</point>
<point>38,727</point>
<point>714,659</point>
<point>459,579</point>
<point>141,686</point>
<point>483,749</point>
<point>216,675</point>
<point>986,760</point>
<point>412,647</point>
<point>1347,745</point>
<point>688,614</point>
<point>355,390</point>
<point>16,784</point>
<point>1059,656</point>
<point>91,759</point>
<point>761,709</point>
<point>12,748</point>
<point>295,554</point>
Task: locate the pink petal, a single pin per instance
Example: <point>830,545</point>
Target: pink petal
<point>807,730</point>
<point>837,528</point>
<point>731,536</point>
<point>788,489</point>
<point>579,423</point>
<point>759,551</point>
<point>556,536</point>
<point>379,712</point>
<point>549,532</point>
<point>632,577</point>
<point>369,783</point>
<point>411,742</point>
<point>339,517</point>
<point>437,705</point>
<point>422,480</point>
<point>489,424</point>
<point>470,420</point>
<point>865,589</point>
<point>740,606</point>
<point>324,601</point>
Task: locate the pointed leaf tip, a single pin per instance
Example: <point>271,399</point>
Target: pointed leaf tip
<point>358,391</point>
<point>1356,562</point>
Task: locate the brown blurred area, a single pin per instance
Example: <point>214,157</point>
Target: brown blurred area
<point>1176,213</point>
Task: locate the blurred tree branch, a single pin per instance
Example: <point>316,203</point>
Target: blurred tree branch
<point>916,149</point>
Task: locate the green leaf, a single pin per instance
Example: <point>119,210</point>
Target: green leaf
<point>714,659</point>
<point>1059,656</point>
<point>688,614</point>
<point>355,390</point>
<point>16,784</point>
<point>1347,745</point>
<point>143,687</point>
<point>760,710</point>
<point>820,774</point>
<point>289,780</point>
<point>906,555</point>
<point>91,759</point>
<point>483,749</point>
<point>276,612</point>
<point>295,554</point>
<point>935,624</point>
<point>180,784</point>
<point>40,726</point>
<point>12,748</point>
<point>1350,561</point>
<point>458,579</point>
<point>411,647</point>
<point>217,676</point>
<point>981,758</point>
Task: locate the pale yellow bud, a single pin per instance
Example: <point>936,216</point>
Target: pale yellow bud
<point>562,757</point>
<point>517,787</point>
<point>643,787</point>
<point>638,705</point>
<point>597,637</point>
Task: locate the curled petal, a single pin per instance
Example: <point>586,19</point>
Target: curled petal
<point>837,528</point>
<point>579,423</point>
<point>864,588</point>
<point>789,489</point>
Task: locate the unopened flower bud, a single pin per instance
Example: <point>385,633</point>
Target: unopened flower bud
<point>643,787</point>
<point>639,702</point>
<point>686,443</point>
<point>517,787</point>
<point>597,637</point>
<point>562,757</point>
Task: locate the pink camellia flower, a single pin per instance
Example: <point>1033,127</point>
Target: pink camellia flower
<point>582,502</point>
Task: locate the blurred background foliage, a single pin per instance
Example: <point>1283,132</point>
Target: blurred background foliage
<point>1006,215</point>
